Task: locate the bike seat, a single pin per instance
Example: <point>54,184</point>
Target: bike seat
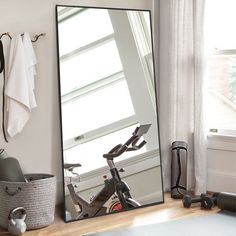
<point>69,166</point>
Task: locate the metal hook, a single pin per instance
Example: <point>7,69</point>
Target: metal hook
<point>7,34</point>
<point>34,40</point>
<point>37,36</point>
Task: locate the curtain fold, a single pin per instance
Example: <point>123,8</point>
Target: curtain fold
<point>181,86</point>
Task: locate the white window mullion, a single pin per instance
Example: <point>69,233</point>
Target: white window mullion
<point>87,47</point>
<point>75,94</point>
<point>100,132</point>
<point>224,52</point>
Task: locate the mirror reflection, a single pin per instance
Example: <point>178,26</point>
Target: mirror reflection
<point>110,137</point>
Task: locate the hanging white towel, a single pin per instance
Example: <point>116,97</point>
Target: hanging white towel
<point>31,57</point>
<point>19,91</point>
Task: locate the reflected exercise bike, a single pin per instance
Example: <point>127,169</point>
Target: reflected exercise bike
<point>113,186</point>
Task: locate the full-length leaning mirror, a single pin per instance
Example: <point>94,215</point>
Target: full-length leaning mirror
<point>111,157</point>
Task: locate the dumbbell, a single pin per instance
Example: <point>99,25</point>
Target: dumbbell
<point>188,200</point>
<point>208,202</point>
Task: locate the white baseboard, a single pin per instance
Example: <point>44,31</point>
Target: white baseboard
<point>221,181</point>
<point>153,197</point>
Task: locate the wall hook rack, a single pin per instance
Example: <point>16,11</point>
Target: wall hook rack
<point>36,36</point>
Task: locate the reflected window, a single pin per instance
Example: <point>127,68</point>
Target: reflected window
<point>73,35</point>
<point>91,70</point>
<point>99,104</point>
<point>113,104</point>
<point>90,66</point>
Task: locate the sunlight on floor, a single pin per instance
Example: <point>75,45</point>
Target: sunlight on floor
<point>151,218</point>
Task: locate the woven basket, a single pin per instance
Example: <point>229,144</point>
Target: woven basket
<point>37,196</point>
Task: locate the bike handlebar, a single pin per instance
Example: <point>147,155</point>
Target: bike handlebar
<point>137,147</point>
<point>120,149</point>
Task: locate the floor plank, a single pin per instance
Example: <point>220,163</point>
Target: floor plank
<point>172,209</point>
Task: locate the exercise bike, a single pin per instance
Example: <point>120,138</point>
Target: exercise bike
<point>114,186</point>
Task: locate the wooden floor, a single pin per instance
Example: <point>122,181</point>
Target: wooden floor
<point>170,210</point>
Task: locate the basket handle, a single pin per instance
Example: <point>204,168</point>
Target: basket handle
<point>12,193</point>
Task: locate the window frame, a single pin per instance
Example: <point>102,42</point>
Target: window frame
<point>214,130</point>
<point>219,47</point>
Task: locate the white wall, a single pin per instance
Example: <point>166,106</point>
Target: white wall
<point>221,163</point>
<point>38,147</point>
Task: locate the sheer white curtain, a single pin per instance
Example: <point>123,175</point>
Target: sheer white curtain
<point>180,78</point>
